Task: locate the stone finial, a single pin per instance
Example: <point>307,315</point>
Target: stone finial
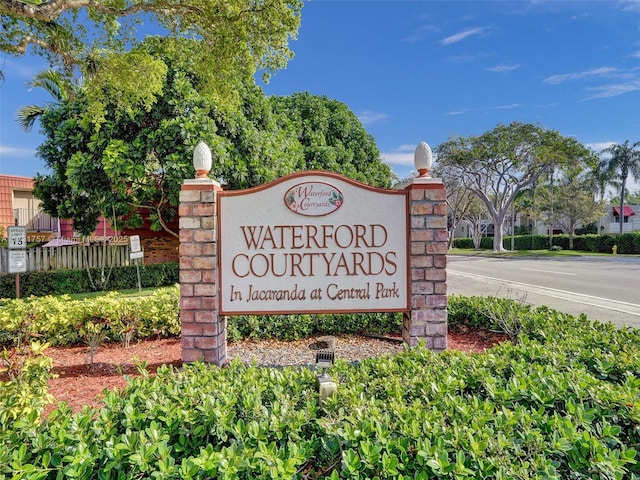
<point>202,160</point>
<point>423,158</point>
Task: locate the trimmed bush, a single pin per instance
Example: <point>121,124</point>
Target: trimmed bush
<point>560,404</point>
<point>627,242</point>
<point>60,282</point>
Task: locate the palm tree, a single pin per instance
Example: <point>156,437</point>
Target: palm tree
<point>623,161</point>
<point>599,179</point>
<point>55,84</point>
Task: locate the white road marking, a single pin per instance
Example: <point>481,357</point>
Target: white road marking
<point>599,302</point>
<point>549,271</point>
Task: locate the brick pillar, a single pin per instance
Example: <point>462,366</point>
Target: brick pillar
<point>427,319</point>
<point>204,332</point>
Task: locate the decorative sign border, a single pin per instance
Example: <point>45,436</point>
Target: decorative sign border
<point>342,248</point>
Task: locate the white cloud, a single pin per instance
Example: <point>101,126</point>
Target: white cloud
<point>419,34</point>
<point>607,91</point>
<point>402,155</point>
<point>594,73</point>
<point>462,111</point>
<point>630,5</point>
<point>459,112</point>
<point>458,37</point>
<point>22,70</point>
<point>599,146</point>
<point>17,152</point>
<point>507,107</point>
<point>368,117</point>
<point>503,68</point>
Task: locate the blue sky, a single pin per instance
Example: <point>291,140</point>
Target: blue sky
<point>430,70</point>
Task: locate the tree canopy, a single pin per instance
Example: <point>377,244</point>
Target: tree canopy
<point>134,165</point>
<point>569,201</point>
<point>332,138</point>
<point>225,41</point>
<point>499,164</point>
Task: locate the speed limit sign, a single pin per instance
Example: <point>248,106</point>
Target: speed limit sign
<point>17,237</point>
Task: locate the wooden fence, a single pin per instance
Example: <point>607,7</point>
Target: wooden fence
<point>69,257</point>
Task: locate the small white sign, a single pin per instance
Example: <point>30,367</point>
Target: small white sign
<point>135,244</point>
<point>133,255</point>
<point>17,261</point>
<point>17,237</point>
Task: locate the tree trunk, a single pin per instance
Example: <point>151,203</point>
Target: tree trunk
<point>624,180</point>
<point>497,235</point>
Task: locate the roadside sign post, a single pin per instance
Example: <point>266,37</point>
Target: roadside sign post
<point>17,243</point>
<point>136,254</point>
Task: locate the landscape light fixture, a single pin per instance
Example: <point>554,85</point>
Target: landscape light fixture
<point>422,159</point>
<point>202,160</point>
<point>325,359</point>
<point>326,386</point>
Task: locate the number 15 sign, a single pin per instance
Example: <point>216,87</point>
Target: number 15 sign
<point>17,237</point>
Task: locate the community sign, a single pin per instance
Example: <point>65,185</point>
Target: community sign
<point>310,243</point>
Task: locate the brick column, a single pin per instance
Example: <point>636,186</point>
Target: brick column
<point>427,319</point>
<point>204,332</point>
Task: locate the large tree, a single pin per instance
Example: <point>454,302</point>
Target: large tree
<point>229,41</point>
<point>499,164</point>
<point>332,138</point>
<point>574,202</point>
<point>622,161</point>
<point>459,200</point>
<point>135,163</point>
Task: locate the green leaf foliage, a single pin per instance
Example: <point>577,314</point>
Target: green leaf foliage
<point>133,166</point>
<point>560,404</point>
<point>60,282</point>
<point>227,41</point>
<point>61,320</point>
<point>628,243</point>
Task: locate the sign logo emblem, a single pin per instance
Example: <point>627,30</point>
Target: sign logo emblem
<point>313,199</point>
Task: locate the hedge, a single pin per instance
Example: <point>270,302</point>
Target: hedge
<point>61,282</point>
<point>628,243</point>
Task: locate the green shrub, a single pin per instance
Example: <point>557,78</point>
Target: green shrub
<point>560,404</point>
<point>627,242</point>
<point>466,243</point>
<point>60,282</point>
<point>295,327</point>
<point>57,319</point>
<point>25,394</point>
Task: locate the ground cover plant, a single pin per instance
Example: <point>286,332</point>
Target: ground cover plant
<point>560,401</point>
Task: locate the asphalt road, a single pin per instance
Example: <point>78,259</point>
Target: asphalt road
<point>603,288</point>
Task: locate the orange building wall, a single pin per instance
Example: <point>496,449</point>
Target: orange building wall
<point>9,183</point>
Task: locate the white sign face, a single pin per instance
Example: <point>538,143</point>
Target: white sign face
<point>17,261</point>
<point>133,255</point>
<point>313,243</point>
<point>17,237</point>
<point>135,243</point>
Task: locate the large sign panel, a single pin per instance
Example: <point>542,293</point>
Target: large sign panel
<point>314,242</point>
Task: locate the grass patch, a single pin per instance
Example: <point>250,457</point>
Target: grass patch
<point>132,293</point>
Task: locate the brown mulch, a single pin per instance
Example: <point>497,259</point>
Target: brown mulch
<point>79,384</point>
